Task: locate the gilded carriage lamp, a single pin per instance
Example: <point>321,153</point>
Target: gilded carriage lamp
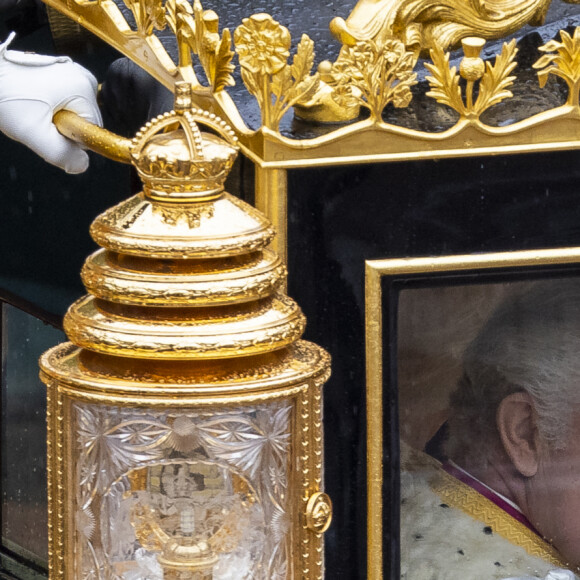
<point>184,417</point>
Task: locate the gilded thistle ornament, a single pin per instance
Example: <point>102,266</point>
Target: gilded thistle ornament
<point>264,48</point>
<point>494,80</point>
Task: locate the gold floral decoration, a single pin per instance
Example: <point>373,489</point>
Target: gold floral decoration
<point>494,80</point>
<point>562,59</point>
<point>278,83</point>
<point>375,75</point>
<point>262,44</point>
<point>263,48</point>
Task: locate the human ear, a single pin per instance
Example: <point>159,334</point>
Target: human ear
<point>517,424</point>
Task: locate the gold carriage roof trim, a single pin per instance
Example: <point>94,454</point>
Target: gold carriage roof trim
<point>376,68</point>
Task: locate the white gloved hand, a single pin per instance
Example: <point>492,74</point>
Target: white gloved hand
<point>32,89</point>
<point>556,574</point>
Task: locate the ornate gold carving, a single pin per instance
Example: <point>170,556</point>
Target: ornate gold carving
<point>319,513</point>
<point>88,387</point>
<point>51,480</point>
<point>138,283</point>
<point>59,556</point>
<point>167,162</point>
<point>196,31</point>
<point>494,80</point>
<point>427,24</point>
<point>149,15</point>
<point>244,381</point>
<point>133,227</point>
<point>323,106</point>
<point>263,47</point>
<point>241,330</point>
<point>368,141</point>
<point>264,71</point>
<point>304,445</point>
<point>309,409</point>
<point>380,74</point>
<point>562,59</point>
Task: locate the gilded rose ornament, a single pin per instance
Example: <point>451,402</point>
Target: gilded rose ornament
<point>263,47</point>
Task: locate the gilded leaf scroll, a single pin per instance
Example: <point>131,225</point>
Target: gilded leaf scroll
<point>149,15</point>
<point>495,83</point>
<point>197,33</point>
<point>562,59</point>
<point>334,94</point>
<point>263,48</point>
<point>426,24</point>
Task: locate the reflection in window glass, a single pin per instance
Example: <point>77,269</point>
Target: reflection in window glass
<point>489,393</point>
<point>23,438</point>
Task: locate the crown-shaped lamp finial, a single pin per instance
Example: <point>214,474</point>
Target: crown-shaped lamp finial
<point>176,161</point>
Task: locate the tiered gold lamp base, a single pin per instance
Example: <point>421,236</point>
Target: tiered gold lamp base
<point>185,421</point>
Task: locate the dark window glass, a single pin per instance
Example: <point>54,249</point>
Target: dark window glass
<point>23,437</point>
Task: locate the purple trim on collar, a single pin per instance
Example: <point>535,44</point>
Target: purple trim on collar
<point>490,495</point>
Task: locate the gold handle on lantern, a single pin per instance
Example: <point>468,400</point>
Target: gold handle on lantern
<point>117,148</point>
<point>93,137</point>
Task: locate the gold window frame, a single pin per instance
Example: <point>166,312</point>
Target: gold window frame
<point>394,272</point>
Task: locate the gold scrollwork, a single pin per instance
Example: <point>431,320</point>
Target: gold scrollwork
<point>562,59</point>
<point>426,24</point>
<point>263,47</point>
<point>494,80</point>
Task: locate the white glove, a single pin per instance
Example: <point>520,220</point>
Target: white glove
<point>32,89</point>
<point>556,574</point>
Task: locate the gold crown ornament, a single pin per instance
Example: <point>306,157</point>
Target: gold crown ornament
<point>176,161</point>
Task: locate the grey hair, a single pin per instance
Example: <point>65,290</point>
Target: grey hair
<point>530,343</point>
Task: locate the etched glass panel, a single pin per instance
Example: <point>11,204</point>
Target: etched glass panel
<point>165,495</point>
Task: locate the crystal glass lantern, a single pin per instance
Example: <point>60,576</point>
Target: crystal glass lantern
<point>185,419</point>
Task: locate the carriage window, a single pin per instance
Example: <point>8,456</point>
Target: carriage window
<point>489,405</point>
<point>23,442</point>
